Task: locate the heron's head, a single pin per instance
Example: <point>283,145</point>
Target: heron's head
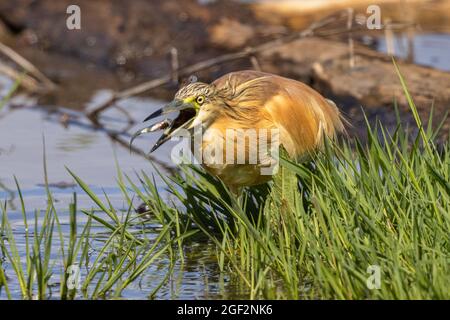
<point>193,101</point>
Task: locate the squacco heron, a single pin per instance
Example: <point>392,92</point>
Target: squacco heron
<point>249,100</point>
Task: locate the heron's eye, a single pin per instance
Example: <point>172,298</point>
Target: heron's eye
<point>200,99</point>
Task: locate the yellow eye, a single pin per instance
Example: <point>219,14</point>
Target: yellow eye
<point>200,99</point>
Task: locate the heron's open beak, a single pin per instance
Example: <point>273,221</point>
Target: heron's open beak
<point>175,105</point>
<point>187,114</point>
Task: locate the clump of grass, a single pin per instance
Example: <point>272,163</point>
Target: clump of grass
<point>323,227</point>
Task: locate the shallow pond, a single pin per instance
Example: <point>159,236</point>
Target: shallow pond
<point>92,155</point>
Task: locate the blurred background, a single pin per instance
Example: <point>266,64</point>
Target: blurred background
<point>69,87</point>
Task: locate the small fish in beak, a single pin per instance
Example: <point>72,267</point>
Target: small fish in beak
<point>187,114</point>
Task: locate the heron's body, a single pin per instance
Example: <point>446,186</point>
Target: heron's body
<point>251,100</point>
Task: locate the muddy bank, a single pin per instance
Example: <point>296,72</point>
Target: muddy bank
<point>125,43</point>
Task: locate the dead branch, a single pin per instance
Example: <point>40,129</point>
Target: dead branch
<point>45,83</point>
